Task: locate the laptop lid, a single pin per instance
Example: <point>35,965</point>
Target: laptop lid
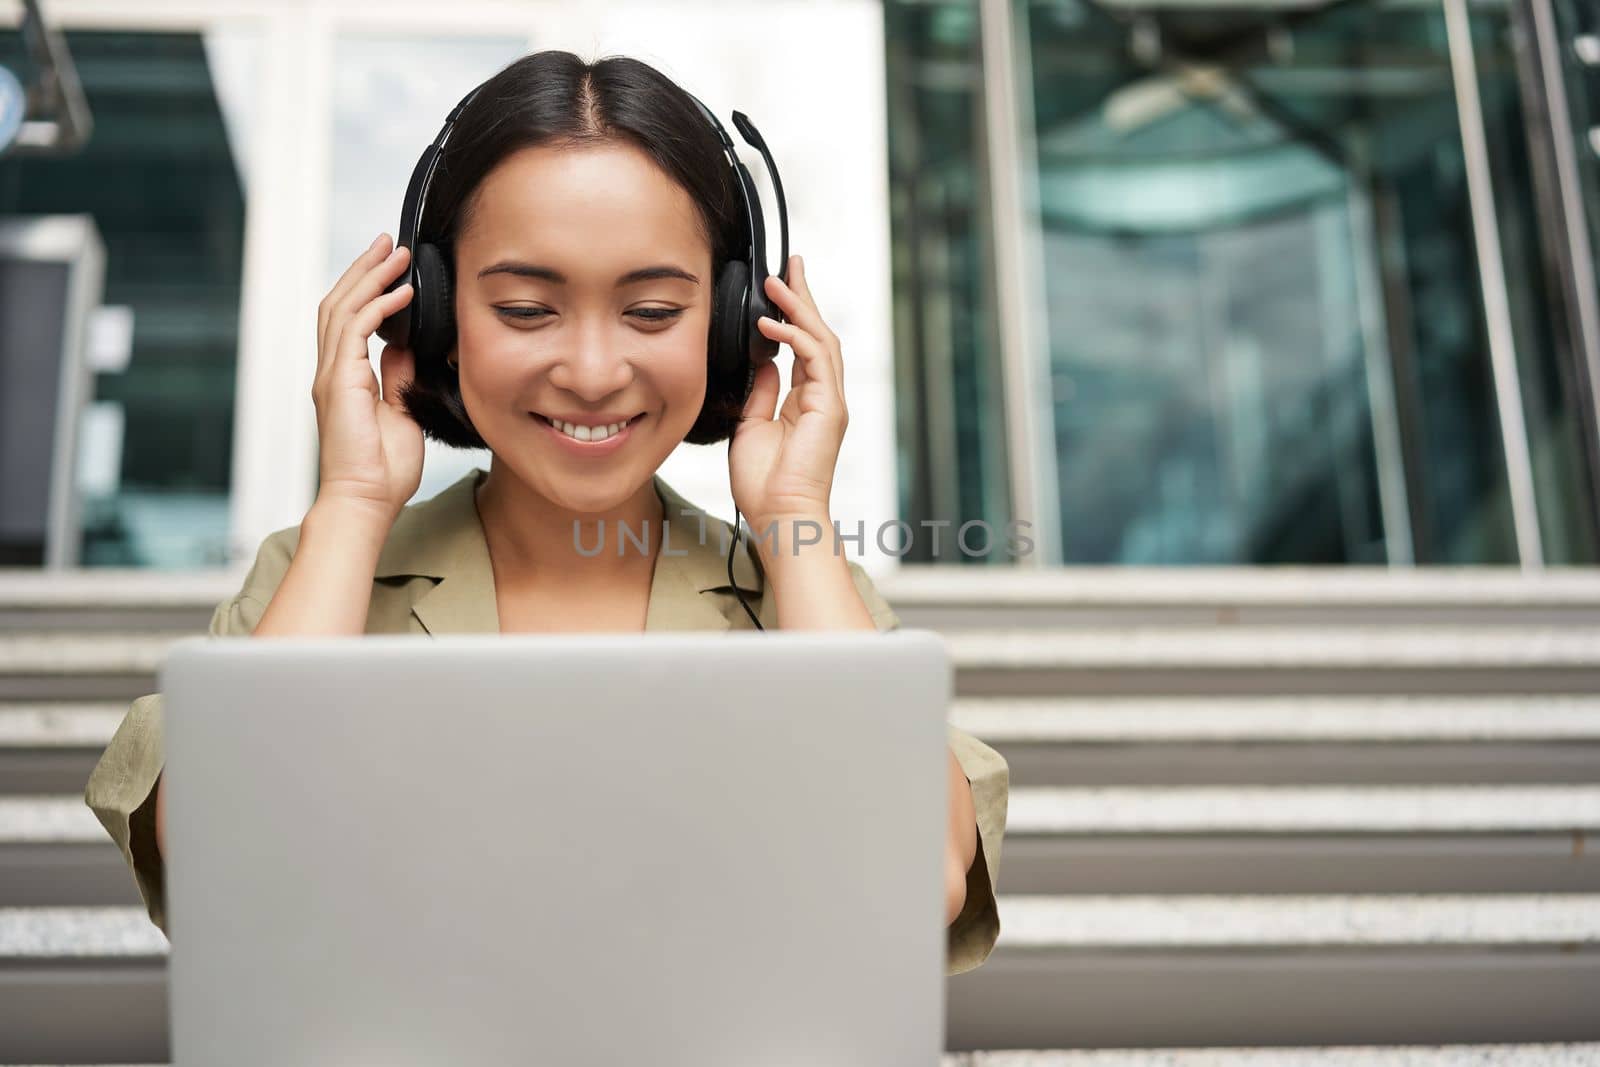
<point>570,849</point>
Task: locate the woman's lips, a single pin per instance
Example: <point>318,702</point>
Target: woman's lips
<point>589,448</point>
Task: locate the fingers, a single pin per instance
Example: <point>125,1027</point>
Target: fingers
<point>800,285</point>
<point>795,301</point>
<point>797,305</point>
<point>367,277</point>
<point>351,342</point>
<point>812,358</point>
<point>762,403</point>
<point>396,368</point>
<point>347,347</point>
<point>374,254</point>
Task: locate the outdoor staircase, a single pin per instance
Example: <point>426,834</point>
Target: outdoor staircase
<point>1263,817</point>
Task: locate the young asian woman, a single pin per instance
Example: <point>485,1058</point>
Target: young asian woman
<point>586,209</point>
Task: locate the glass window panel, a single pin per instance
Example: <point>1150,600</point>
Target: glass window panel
<point>163,180</point>
<point>391,96</point>
<point>1555,384</point>
<point>1266,328</point>
<point>951,432</point>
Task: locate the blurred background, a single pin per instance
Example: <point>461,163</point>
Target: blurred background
<point>1255,282</point>
<point>1276,321</point>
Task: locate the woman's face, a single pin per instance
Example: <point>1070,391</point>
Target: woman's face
<point>583,294</point>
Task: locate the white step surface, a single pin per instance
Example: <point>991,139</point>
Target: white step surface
<point>1045,922</point>
<point>1546,1055</point>
<point>76,933</point>
<point>63,725</point>
<point>1532,1055</point>
<point>1257,647</point>
<point>1044,720</point>
<point>1330,587</point>
<point>118,587</point>
<point>922,583</point>
<point>55,820</point>
<point>1040,811</point>
<point>116,653</point>
<point>1186,922</point>
<point>1123,720</point>
<point>1303,809</point>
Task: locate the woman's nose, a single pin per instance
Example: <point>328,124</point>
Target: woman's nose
<point>593,368</point>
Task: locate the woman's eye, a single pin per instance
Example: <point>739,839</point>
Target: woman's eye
<point>657,314</point>
<point>522,313</point>
<point>647,314</point>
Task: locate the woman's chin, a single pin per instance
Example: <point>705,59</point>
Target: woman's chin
<point>598,491</point>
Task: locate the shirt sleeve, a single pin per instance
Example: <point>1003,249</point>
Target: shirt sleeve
<point>121,788</point>
<point>970,939</point>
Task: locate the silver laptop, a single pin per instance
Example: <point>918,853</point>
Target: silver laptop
<point>665,849</point>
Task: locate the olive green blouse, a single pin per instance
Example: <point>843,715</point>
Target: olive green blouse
<point>434,577</point>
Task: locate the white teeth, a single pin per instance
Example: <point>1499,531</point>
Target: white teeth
<point>585,433</point>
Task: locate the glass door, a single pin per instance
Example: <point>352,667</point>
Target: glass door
<point>1296,278</point>
<point>1272,325</point>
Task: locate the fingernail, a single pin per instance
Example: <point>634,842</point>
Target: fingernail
<point>378,240</point>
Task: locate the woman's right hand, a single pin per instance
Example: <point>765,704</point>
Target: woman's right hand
<point>371,449</point>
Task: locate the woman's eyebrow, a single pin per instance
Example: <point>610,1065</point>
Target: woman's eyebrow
<point>550,274</point>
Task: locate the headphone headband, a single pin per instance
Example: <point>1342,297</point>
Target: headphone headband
<point>422,177</point>
<point>401,328</point>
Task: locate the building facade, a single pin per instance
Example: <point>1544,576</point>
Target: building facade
<point>1210,283</point>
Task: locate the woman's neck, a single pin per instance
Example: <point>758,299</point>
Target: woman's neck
<point>532,539</point>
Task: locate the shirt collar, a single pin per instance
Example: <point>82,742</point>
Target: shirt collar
<point>442,538</point>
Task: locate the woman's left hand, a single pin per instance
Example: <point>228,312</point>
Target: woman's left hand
<point>782,468</point>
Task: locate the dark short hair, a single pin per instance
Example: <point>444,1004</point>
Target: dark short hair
<point>553,97</point>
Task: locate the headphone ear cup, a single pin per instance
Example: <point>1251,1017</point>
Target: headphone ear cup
<point>433,317</point>
<point>730,341</point>
<point>762,347</point>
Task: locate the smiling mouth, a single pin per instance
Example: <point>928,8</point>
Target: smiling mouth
<point>586,433</point>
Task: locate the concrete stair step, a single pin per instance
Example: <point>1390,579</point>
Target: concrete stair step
<point>1165,661</point>
<point>112,599</point>
<point>1179,971</point>
<point>1312,763</point>
<point>1304,809</point>
<point>1529,1055</point>
<point>1435,660</point>
<point>54,852</point>
<point>1221,863</point>
<point>944,597</point>
<point>1280,720</point>
<point>81,667</point>
<point>1293,922</point>
<point>1112,741</point>
<point>39,725</point>
<point>1417,839</point>
<point>1331,740</point>
<point>1188,971</point>
<point>1058,840</point>
<point>961,598</point>
<point>1154,809</point>
<point>1051,922</point>
<point>56,933</point>
<point>52,747</point>
<point>48,820</point>
<point>1101,720</point>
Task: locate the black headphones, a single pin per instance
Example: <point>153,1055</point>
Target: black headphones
<point>735,347</point>
<point>427,324</point>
